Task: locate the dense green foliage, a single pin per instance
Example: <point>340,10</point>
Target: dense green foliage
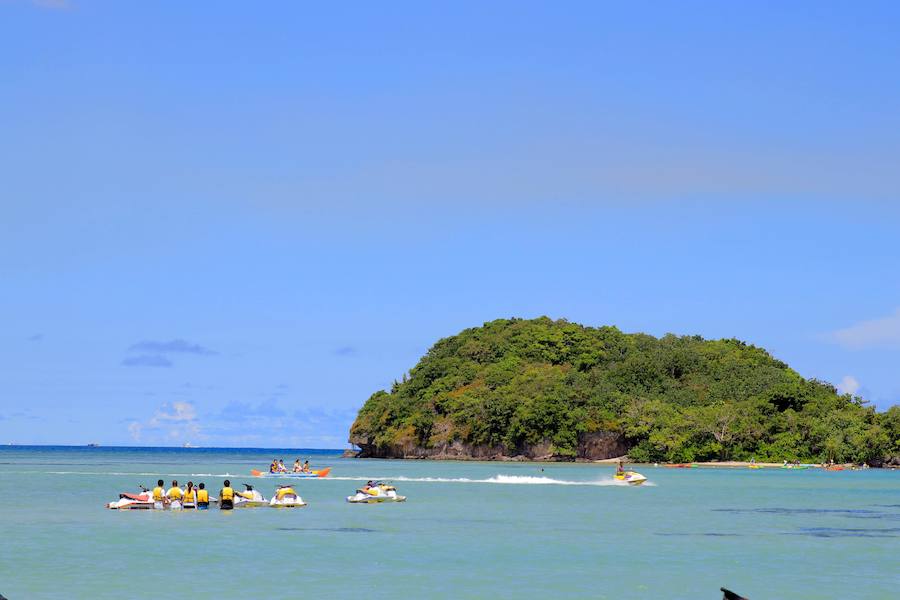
<point>517,382</point>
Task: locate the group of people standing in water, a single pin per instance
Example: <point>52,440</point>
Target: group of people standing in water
<point>191,497</point>
<point>277,466</point>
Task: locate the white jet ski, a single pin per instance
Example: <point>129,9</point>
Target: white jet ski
<point>127,501</point>
<point>286,497</point>
<point>249,497</point>
<point>375,492</point>
<point>631,477</point>
<point>144,500</point>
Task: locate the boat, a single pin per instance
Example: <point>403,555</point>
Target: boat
<point>680,466</point>
<point>630,477</point>
<point>374,493</point>
<point>286,497</point>
<point>754,466</point>
<point>834,468</point>
<point>301,475</point>
<point>795,467</point>
<point>249,498</point>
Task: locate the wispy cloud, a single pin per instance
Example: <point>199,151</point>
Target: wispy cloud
<point>848,385</point>
<point>36,337</point>
<point>147,360</point>
<point>884,331</point>
<point>176,412</point>
<point>176,346</point>
<point>172,422</point>
<point>346,351</point>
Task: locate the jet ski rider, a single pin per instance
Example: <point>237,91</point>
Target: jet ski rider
<point>159,493</point>
<point>226,497</point>
<point>202,497</point>
<point>174,494</point>
<point>620,469</point>
<point>190,496</point>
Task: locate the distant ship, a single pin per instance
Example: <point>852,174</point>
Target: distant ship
<point>93,445</point>
<point>188,445</point>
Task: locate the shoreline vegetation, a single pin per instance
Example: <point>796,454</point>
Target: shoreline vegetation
<point>550,390</point>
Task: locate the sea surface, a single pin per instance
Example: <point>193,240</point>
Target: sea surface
<point>468,530</point>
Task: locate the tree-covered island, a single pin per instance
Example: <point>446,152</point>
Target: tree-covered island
<point>554,390</point>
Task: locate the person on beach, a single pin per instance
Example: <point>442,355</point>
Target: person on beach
<point>189,500</point>
<point>174,494</point>
<point>297,467</point>
<point>202,497</point>
<point>159,494</point>
<point>226,497</point>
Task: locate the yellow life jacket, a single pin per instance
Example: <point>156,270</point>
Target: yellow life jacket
<point>189,496</point>
<point>247,495</point>
<point>158,494</point>
<point>281,493</point>
<point>174,493</point>
<point>227,493</point>
<point>202,495</point>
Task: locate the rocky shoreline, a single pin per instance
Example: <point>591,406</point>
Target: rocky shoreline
<point>591,447</point>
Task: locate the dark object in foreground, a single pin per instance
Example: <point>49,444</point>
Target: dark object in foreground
<point>729,595</point>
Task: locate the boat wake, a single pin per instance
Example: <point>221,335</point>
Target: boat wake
<point>500,479</point>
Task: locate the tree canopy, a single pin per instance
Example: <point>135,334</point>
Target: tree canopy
<point>515,382</point>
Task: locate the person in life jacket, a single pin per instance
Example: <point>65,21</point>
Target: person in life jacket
<point>202,497</point>
<point>297,466</point>
<point>174,494</point>
<point>159,494</point>
<point>190,496</point>
<point>226,497</point>
<point>273,468</point>
<point>281,467</point>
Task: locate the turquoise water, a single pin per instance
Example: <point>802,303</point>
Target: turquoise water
<point>468,530</point>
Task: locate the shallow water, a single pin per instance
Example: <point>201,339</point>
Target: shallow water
<point>469,530</point>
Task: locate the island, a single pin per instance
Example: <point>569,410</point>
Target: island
<point>552,390</point>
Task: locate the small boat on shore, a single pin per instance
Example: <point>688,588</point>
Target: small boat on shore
<point>680,466</point>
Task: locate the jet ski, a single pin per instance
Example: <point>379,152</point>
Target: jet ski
<point>128,501</point>
<point>298,475</point>
<point>630,477</point>
<point>374,493</point>
<point>249,497</point>
<point>144,501</point>
<point>286,497</point>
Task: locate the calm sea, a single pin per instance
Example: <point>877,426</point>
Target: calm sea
<point>468,530</point>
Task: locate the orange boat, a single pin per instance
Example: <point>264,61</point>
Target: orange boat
<point>301,475</point>
<point>680,466</point>
<point>834,468</point>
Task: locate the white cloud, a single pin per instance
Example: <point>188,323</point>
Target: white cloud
<point>134,429</point>
<point>177,412</point>
<point>848,385</point>
<point>172,423</point>
<point>884,331</point>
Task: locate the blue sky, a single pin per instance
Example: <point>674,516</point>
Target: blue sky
<point>229,224</point>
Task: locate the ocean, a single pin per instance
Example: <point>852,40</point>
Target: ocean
<point>468,530</point>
